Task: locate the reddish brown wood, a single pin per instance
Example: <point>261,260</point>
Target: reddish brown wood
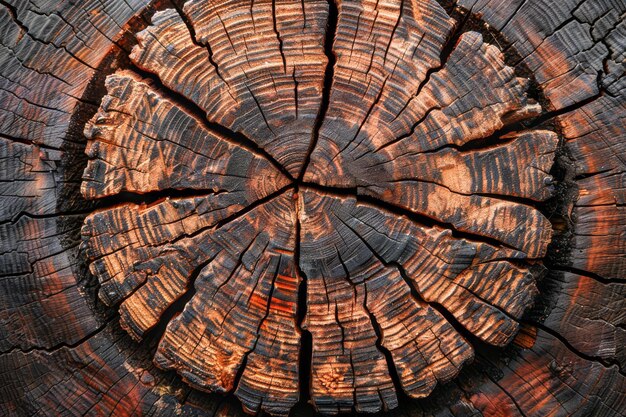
<point>356,206</point>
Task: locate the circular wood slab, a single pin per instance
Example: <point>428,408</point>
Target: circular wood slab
<point>380,202</point>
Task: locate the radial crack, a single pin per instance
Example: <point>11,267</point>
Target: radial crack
<point>193,109</point>
<point>331,33</point>
<point>306,339</point>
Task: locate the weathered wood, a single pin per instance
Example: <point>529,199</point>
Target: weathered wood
<point>356,206</point>
<point>141,142</point>
<point>265,82</point>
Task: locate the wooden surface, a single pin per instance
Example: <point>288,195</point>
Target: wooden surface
<point>307,207</point>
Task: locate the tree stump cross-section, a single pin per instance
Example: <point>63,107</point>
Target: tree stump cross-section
<point>349,189</point>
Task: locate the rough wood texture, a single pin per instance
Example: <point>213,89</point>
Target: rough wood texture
<point>318,207</point>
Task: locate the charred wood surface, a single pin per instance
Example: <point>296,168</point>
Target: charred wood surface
<point>405,207</point>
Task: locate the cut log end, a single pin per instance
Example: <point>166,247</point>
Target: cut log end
<point>381,199</point>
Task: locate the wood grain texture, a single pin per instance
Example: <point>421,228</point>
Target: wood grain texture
<point>264,82</point>
<point>318,207</point>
